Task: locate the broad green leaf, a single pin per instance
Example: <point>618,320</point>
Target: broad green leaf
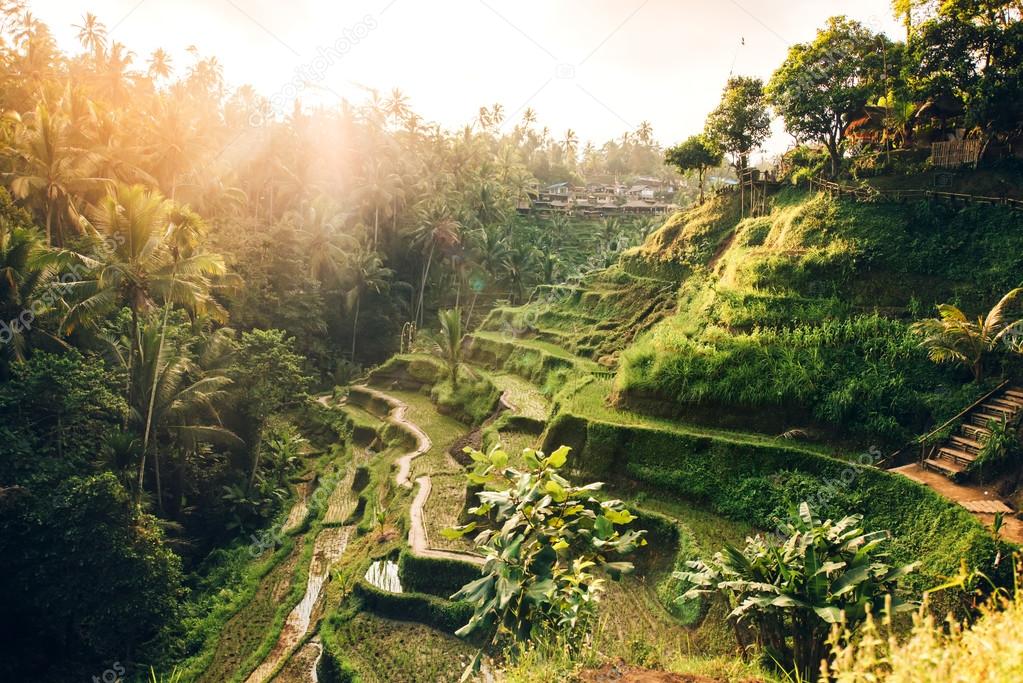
<point>558,458</point>
<point>603,527</point>
<point>618,517</point>
<point>850,580</point>
<point>499,459</point>
<point>556,491</point>
<point>457,532</point>
<point>832,615</point>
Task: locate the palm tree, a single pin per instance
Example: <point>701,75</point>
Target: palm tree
<point>92,34</point>
<point>436,229</point>
<point>549,262</point>
<point>610,227</point>
<point>50,171</point>
<point>326,257</point>
<point>175,396</point>
<point>160,64</point>
<point>366,273</point>
<point>449,342</point>
<point>396,105</point>
<point>489,249</point>
<point>954,338</point>
<point>571,145</point>
<point>645,132</point>
<point>518,264</point>
<point>139,259</point>
<point>27,272</point>
<point>377,188</point>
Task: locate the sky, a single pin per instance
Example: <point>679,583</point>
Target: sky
<point>599,67</point>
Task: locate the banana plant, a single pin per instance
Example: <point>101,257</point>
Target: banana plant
<point>790,590</point>
<point>548,545</point>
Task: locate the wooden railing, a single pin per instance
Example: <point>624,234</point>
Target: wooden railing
<point>867,193</point>
<point>897,458</point>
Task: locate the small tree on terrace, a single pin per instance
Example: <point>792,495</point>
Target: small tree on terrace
<point>822,84</point>
<point>791,593</point>
<point>741,123</point>
<point>546,544</point>
<point>449,341</point>
<point>697,153</point>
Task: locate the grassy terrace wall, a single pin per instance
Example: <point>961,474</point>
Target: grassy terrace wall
<point>473,402</point>
<point>594,319</point>
<point>756,483</point>
<point>801,318</point>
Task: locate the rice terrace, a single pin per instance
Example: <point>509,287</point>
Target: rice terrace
<point>511,342</point>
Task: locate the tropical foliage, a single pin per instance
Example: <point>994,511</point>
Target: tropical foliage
<point>790,590</point>
<point>955,338</point>
<point>547,544</point>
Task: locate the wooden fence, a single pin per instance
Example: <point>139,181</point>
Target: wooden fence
<point>956,153</point>
<point>866,193</point>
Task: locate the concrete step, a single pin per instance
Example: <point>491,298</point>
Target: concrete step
<point>967,444</point>
<point>976,431</point>
<point>963,457</point>
<point>943,466</point>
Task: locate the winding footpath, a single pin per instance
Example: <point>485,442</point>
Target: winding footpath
<point>331,542</point>
<point>418,539</point>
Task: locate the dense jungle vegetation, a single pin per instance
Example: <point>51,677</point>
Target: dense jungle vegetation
<point>325,396</point>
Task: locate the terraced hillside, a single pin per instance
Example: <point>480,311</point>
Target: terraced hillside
<point>622,367</point>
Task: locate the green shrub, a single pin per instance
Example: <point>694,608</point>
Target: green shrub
<point>426,609</point>
<point>440,577</point>
<point>758,483</point>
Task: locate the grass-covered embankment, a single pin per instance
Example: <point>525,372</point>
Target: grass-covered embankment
<point>803,318</point>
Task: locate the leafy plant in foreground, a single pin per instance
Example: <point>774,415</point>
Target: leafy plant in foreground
<point>790,593</point>
<point>546,542</point>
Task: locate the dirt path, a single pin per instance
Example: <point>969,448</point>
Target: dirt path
<point>418,539</point>
<point>1012,528</point>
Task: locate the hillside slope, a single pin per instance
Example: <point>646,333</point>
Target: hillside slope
<point>800,318</point>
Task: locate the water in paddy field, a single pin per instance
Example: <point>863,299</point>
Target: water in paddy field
<point>383,574</point>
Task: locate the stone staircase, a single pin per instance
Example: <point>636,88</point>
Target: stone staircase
<point>962,448</point>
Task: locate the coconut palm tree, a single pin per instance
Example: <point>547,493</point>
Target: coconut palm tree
<point>49,171</point>
<point>27,293</point>
<point>489,248</point>
<point>396,105</point>
<point>160,64</point>
<point>954,338</point>
<point>449,341</point>
<point>366,273</point>
<point>571,145</point>
<point>137,260</point>
<point>173,395</point>
<point>377,188</point>
<point>92,34</point>
<point>518,265</point>
<point>436,229</point>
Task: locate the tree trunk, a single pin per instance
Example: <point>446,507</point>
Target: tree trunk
<point>701,173</point>
<point>355,324</point>
<point>49,223</point>
<point>255,458</point>
<point>156,469</point>
<point>422,286</point>
<point>376,226</point>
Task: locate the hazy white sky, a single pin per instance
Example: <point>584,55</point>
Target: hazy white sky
<point>596,66</point>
